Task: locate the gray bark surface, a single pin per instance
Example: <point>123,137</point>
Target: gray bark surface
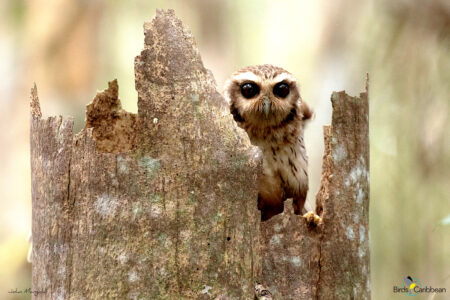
<point>158,205</point>
<point>330,261</point>
<point>162,204</point>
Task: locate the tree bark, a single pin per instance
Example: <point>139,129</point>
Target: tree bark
<point>158,205</point>
<point>162,204</point>
<point>330,261</point>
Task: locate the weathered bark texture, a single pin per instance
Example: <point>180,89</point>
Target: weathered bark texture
<point>158,205</point>
<point>162,204</point>
<point>330,261</point>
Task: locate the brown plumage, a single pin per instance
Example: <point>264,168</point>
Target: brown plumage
<point>265,101</point>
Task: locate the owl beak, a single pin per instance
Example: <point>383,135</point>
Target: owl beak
<point>266,105</point>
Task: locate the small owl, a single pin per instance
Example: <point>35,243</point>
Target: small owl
<point>265,101</point>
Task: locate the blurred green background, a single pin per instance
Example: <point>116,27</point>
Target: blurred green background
<point>71,48</point>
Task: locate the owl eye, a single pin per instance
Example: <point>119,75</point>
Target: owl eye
<point>281,90</point>
<point>249,90</point>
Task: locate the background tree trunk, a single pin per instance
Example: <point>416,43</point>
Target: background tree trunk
<point>162,204</point>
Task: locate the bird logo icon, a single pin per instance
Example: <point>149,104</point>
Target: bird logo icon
<point>410,283</point>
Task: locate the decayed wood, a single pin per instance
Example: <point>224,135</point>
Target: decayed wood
<point>162,204</point>
<point>158,205</point>
<point>344,259</point>
<point>330,261</point>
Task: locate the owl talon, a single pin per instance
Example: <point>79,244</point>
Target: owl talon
<point>312,219</point>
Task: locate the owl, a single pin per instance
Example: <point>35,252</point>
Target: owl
<point>265,101</point>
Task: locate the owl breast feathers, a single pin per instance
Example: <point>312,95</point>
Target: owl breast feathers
<point>265,101</point>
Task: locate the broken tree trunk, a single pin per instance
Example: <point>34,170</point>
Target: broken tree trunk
<point>162,204</point>
<point>330,261</point>
<point>158,205</point>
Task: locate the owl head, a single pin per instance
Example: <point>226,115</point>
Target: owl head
<point>264,96</point>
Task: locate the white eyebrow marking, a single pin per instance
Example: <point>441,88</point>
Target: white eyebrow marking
<point>284,76</point>
<point>247,76</point>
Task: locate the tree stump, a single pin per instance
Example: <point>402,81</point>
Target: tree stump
<point>162,204</point>
<point>158,205</point>
<point>330,261</point>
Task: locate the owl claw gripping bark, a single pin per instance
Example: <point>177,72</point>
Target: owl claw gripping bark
<point>265,101</point>
<point>312,219</point>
